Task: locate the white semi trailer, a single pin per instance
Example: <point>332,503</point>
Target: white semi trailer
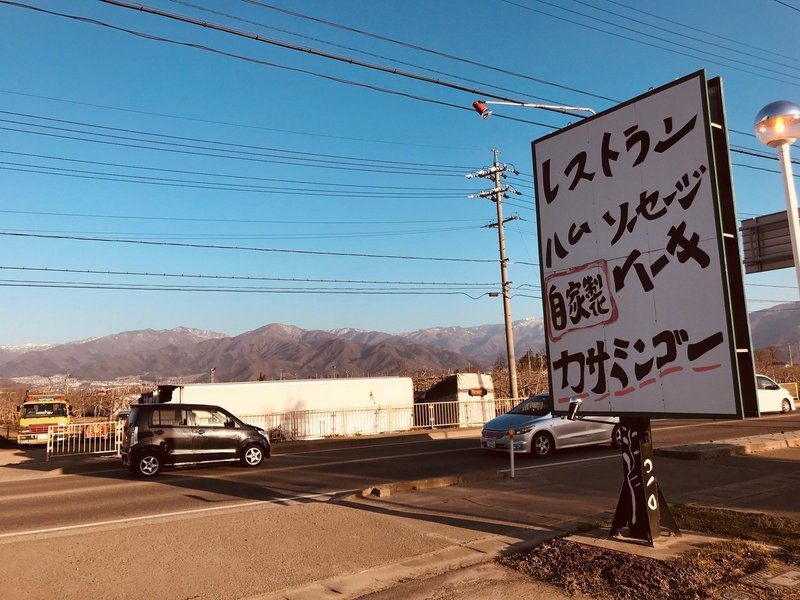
<point>307,408</point>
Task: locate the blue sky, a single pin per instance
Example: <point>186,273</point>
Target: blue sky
<point>149,184</point>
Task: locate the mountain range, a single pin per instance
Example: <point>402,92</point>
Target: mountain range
<point>284,351</point>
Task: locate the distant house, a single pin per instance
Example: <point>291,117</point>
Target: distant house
<point>462,398</point>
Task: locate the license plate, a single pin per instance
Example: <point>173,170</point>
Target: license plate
<point>491,443</point>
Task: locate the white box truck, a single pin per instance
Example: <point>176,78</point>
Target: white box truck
<point>307,408</point>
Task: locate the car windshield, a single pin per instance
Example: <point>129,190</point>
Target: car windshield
<point>44,410</point>
<point>536,406</point>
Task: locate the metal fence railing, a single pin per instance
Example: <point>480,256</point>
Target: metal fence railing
<point>316,424</point>
<point>106,437</point>
<point>97,437</point>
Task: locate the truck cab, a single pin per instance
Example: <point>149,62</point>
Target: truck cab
<point>37,413</point>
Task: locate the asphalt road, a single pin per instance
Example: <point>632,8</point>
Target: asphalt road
<point>31,505</point>
<point>229,532</point>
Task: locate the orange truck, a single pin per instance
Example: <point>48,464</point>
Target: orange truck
<point>37,413</point>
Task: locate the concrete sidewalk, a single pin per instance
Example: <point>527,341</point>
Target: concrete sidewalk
<point>754,474</point>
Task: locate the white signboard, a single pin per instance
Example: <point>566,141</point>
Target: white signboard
<point>632,276</point>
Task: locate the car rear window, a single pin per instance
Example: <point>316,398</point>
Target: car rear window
<point>168,417</point>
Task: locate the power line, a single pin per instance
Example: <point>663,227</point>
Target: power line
<point>205,185</point>
<point>352,49</point>
<point>397,166</point>
<point>265,40</point>
<point>229,290</point>
<point>250,236</point>
<point>245,278</point>
<point>703,31</point>
<point>230,176</point>
<point>237,146</point>
<point>279,66</point>
<point>222,220</point>
<point>430,51</point>
<point>242,248</point>
<point>226,123</point>
<point>644,43</point>
<point>786,4</point>
<point>254,157</point>
<point>770,59</point>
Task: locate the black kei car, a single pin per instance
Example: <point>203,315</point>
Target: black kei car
<point>173,434</point>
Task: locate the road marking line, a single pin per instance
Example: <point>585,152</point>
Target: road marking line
<point>177,513</point>
<point>564,462</point>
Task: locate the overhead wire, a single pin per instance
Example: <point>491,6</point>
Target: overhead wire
<point>118,3</point>
<point>352,49</point>
<point>237,147</point>
<point>245,248</point>
<point>249,126</point>
<point>431,51</point>
<point>274,42</point>
<point>254,152</point>
<point>705,32</point>
<point>245,277</point>
<point>205,185</point>
<point>376,88</point>
<point>225,220</point>
<point>231,290</point>
<point>228,175</point>
<point>770,59</point>
<point>758,73</point>
<point>216,153</point>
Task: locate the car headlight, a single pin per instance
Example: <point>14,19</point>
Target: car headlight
<point>523,430</point>
<point>263,434</point>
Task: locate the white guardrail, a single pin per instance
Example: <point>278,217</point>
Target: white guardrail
<point>96,437</point>
<point>317,424</point>
<point>106,437</point>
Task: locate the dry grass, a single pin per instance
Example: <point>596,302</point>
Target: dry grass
<point>756,542</point>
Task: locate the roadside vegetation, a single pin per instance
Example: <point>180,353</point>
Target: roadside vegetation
<point>753,542</point>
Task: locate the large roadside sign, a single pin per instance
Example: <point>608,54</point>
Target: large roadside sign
<point>637,297</point>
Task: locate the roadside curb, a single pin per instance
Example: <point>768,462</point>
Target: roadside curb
<point>387,489</point>
<point>732,447</point>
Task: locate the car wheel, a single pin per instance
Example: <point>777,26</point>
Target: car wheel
<point>542,445</point>
<point>148,464</point>
<point>252,455</point>
<point>616,436</point>
<point>785,406</point>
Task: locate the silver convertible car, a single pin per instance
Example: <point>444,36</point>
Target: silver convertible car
<point>539,433</point>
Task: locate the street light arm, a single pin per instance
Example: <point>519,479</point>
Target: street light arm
<point>485,113</point>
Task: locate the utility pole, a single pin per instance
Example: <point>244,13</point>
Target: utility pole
<point>496,195</point>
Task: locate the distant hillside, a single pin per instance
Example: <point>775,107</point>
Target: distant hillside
<point>189,355</point>
<point>277,350</point>
<point>776,326</point>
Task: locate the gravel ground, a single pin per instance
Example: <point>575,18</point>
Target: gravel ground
<point>756,542</point>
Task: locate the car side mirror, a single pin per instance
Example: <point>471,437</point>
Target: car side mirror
<point>230,424</point>
<point>774,386</point>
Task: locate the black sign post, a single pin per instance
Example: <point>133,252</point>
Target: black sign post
<point>641,506</point>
